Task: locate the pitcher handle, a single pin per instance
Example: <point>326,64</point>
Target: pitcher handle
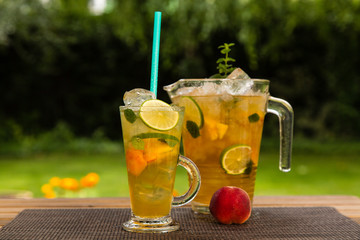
<point>194,180</point>
<point>285,113</point>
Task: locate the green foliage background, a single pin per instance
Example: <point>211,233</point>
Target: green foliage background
<point>62,64</point>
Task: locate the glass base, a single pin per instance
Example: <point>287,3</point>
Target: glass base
<point>200,208</point>
<point>150,225</point>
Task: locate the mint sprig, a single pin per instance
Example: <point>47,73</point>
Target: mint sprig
<point>224,63</point>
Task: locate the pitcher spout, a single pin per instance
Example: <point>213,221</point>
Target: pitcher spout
<point>172,88</point>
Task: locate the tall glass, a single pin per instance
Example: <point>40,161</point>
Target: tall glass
<point>223,129</point>
<point>151,158</point>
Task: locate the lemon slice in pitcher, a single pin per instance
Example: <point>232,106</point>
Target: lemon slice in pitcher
<point>236,159</point>
<point>192,111</point>
<point>158,115</point>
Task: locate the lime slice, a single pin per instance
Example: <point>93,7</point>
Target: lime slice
<point>236,159</point>
<point>158,115</point>
<point>138,142</point>
<point>192,111</point>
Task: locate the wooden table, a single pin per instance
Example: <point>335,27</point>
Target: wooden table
<point>346,205</point>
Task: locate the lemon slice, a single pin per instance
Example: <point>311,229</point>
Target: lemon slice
<point>158,115</point>
<point>192,111</point>
<point>236,159</point>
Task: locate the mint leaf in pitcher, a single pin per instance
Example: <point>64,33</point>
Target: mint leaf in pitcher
<point>193,129</point>
<point>254,118</point>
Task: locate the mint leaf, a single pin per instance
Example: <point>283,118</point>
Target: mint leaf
<point>170,142</point>
<point>248,167</point>
<point>224,66</point>
<point>220,60</point>
<point>130,115</point>
<point>193,129</point>
<point>138,143</point>
<point>254,117</point>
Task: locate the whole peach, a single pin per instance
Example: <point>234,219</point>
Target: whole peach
<point>230,205</point>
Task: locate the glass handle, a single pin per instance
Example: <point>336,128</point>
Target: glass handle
<point>194,180</point>
<point>284,111</point>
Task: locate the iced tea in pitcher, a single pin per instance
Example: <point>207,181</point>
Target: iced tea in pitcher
<point>222,130</point>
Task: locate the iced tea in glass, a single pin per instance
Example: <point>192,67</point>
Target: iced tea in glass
<point>151,136</point>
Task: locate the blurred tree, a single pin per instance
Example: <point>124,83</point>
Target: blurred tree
<point>60,62</point>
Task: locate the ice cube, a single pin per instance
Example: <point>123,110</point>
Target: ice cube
<point>238,86</point>
<point>211,87</point>
<point>238,73</point>
<point>137,96</point>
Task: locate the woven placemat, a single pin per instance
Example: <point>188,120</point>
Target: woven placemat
<point>265,223</point>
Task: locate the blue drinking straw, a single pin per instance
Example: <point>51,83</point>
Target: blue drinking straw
<point>155,53</point>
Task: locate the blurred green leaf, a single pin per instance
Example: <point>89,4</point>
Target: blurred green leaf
<point>59,62</point>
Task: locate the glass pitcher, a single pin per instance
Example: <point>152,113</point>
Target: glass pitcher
<point>223,128</point>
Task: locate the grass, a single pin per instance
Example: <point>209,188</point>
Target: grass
<point>30,173</point>
<point>318,168</point>
<point>310,175</point>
